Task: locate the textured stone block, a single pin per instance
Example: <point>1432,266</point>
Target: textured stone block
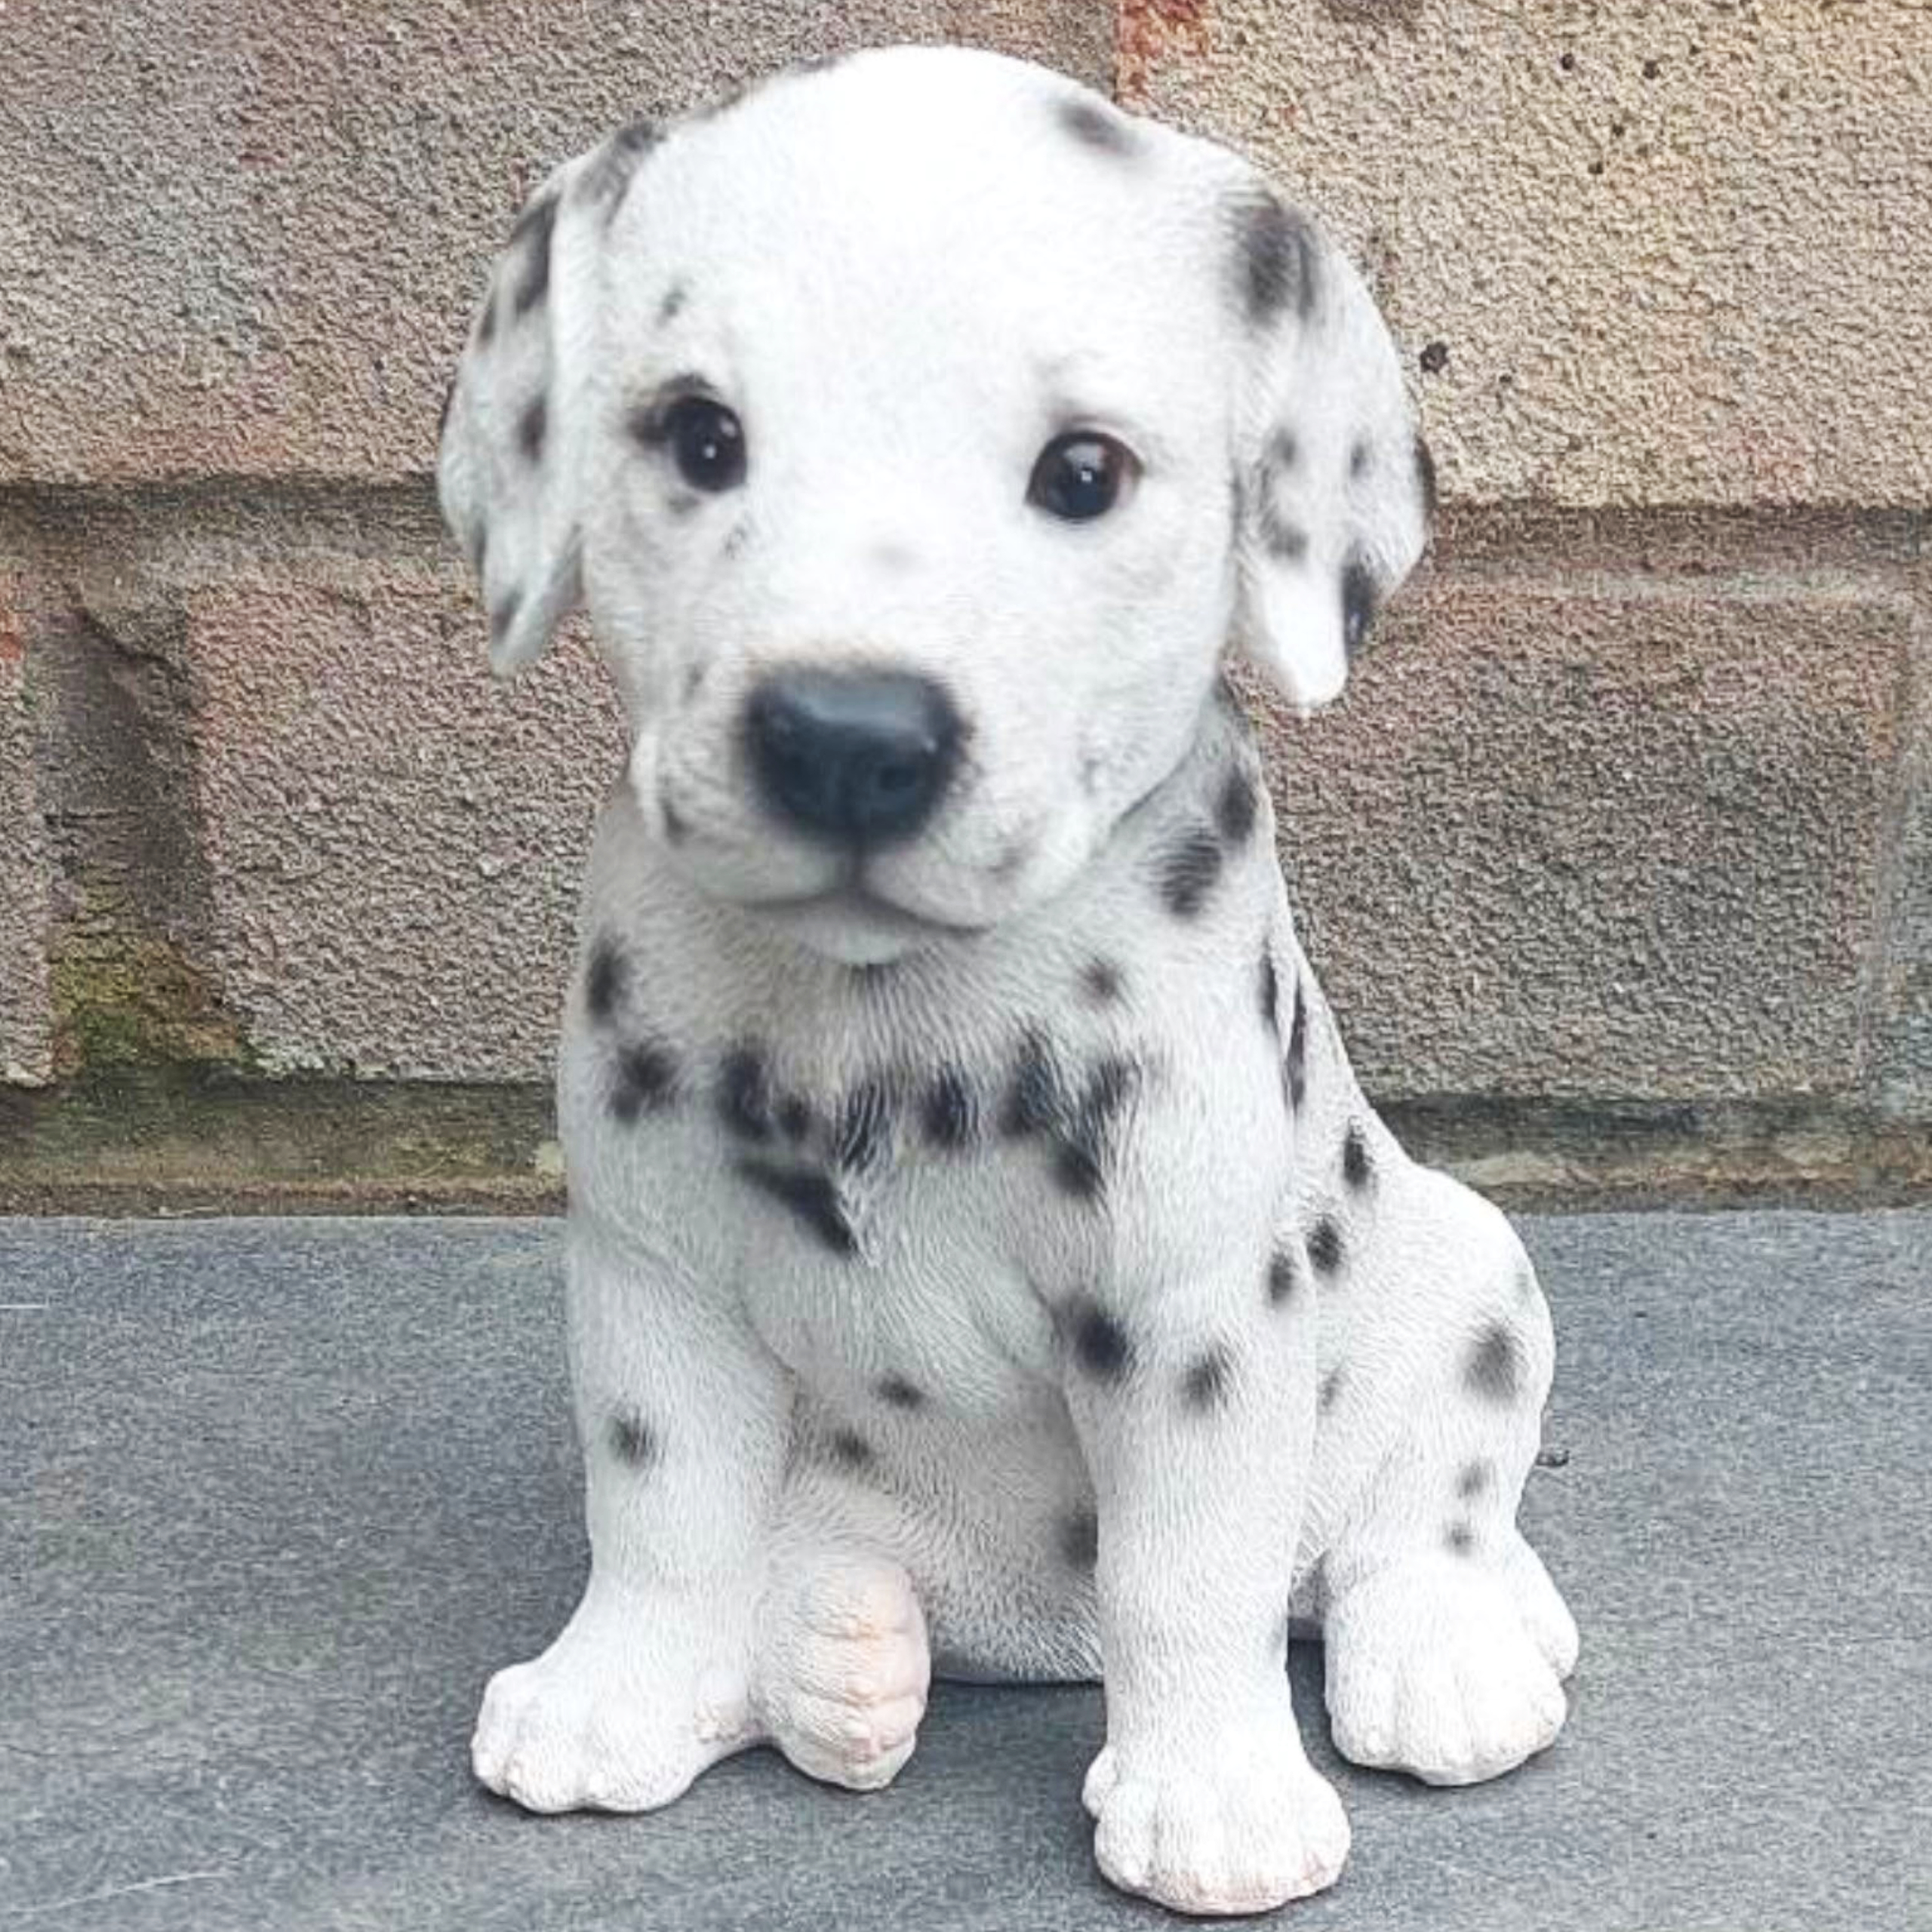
<point>243,239</point>
<point>395,841</point>
<point>1645,254</point>
<point>26,1019</point>
<point>1625,845</point>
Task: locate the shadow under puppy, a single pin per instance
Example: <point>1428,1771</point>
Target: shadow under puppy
<point>979,1251</point>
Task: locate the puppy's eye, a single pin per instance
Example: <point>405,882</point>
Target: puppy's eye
<point>1079,476</point>
<point>707,443</point>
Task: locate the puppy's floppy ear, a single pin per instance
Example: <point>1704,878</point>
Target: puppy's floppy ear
<point>1334,488</point>
<point>509,471</point>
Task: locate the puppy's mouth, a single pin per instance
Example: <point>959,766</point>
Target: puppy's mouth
<point>853,899</point>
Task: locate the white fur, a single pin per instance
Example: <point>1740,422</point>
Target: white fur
<point>989,1342</point>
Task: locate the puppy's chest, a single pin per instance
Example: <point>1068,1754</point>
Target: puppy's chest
<point>893,1172</point>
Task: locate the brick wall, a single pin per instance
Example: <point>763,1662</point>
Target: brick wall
<point>1617,859</point>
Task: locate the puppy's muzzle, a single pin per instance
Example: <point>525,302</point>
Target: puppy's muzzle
<point>859,758</point>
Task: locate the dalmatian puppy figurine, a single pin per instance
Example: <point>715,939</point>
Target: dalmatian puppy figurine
<point>980,1255</point>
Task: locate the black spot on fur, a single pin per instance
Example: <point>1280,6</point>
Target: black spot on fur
<point>1080,1127</point>
<point>1100,1344</point>
<point>1277,256</point>
<point>1033,1099</point>
<point>1271,992</point>
<point>1460,1539</point>
<point>1494,1370</point>
<point>1080,1539</point>
<point>1332,1385</point>
<point>811,1196</point>
<point>531,428</point>
<point>1434,357</point>
<point>1208,1378</point>
<point>1284,1278</point>
<point>865,1125</point>
<point>1188,872</point>
<point>851,1450</point>
<point>668,310</point>
<point>631,1440</point>
<point>1324,1245</point>
<point>486,325</point>
<point>1100,980</point>
<point>1281,535</point>
<point>1359,602</point>
<point>1296,1065</point>
<point>1360,457</point>
<point>900,1393</point>
<point>535,228</point>
<point>1285,541</point>
<point>1475,1479</point>
<point>1094,127</point>
<point>503,615</point>
<point>646,1082</point>
<point>948,1113</point>
<point>1357,1169</point>
<point>608,178</point>
<point>1235,809</point>
<point>1426,478</point>
<point>1085,1137</point>
<point>744,1094</point>
<point>605,979</point>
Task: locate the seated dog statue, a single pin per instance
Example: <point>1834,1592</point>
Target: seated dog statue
<point>981,1257</point>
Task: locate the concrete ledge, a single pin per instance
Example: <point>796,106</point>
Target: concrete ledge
<point>188,1142</point>
<point>275,1497</point>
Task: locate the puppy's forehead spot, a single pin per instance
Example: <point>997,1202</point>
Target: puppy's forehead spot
<point>1095,126</point>
<point>608,175</point>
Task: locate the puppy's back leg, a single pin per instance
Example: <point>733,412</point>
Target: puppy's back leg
<point>843,1664</point>
<point>1447,1643</point>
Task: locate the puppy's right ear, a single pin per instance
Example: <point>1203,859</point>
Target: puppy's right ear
<point>509,470</point>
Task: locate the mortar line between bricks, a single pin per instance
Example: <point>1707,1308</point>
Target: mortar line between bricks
<point>1723,547</point>
<point>1883,585</point>
<point>1912,769</point>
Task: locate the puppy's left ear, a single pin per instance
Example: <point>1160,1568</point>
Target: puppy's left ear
<point>1335,488</point>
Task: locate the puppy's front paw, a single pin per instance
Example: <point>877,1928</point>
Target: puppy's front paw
<point>1242,1826</point>
<point>604,1720</point>
<point>1432,1670</point>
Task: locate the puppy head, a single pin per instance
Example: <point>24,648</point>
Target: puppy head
<point>918,430</point>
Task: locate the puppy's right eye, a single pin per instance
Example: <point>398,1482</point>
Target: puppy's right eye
<point>707,443</point>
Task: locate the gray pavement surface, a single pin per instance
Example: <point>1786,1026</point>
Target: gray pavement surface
<point>275,1497</point>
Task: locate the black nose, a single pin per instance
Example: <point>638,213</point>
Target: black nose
<point>852,755</point>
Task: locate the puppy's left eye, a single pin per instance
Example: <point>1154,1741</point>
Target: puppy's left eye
<point>1080,476</point>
